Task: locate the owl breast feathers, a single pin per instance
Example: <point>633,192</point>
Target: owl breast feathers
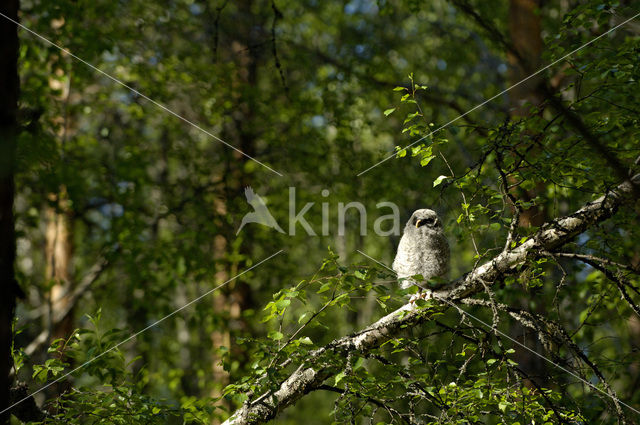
<point>423,249</point>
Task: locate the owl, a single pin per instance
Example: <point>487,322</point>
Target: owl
<point>423,250</point>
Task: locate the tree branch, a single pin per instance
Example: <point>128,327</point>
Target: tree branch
<point>547,331</point>
<point>494,34</point>
<point>574,120</point>
<point>620,282</point>
<point>434,96</point>
<point>378,403</point>
<point>312,373</point>
<point>72,299</point>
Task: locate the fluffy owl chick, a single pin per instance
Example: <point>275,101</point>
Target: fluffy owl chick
<point>423,249</point>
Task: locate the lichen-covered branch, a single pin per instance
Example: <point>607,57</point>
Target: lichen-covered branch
<point>315,370</point>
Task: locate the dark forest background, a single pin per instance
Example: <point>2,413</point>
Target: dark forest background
<point>120,204</point>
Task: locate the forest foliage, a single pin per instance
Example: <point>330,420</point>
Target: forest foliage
<point>143,122</point>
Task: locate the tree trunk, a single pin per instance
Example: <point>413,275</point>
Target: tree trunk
<point>9,89</point>
<point>58,233</point>
<point>526,41</point>
<point>235,298</point>
<point>524,60</point>
<point>58,250</point>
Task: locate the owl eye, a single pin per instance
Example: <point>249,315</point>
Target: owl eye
<point>428,221</point>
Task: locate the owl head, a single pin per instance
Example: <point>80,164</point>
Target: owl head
<point>424,221</point>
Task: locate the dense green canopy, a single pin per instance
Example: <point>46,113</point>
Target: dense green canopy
<point>153,293</point>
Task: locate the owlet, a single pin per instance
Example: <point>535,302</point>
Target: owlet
<point>423,250</point>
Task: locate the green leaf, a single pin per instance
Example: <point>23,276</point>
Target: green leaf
<point>342,299</point>
<point>282,304</point>
<point>305,316</point>
<point>439,180</point>
<point>325,287</point>
<point>275,335</point>
<point>389,111</point>
<point>426,160</point>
